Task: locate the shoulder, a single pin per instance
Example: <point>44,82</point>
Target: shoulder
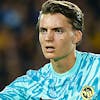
<point>89,56</point>
<point>21,86</point>
<point>37,74</point>
<point>89,61</point>
<point>31,75</point>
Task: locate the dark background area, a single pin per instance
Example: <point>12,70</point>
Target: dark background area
<point>19,46</point>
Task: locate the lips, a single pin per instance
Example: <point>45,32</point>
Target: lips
<point>50,49</point>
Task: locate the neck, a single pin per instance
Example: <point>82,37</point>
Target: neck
<point>65,63</point>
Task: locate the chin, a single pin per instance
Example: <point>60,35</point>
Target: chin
<point>49,57</point>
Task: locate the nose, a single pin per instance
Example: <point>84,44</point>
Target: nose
<point>49,36</point>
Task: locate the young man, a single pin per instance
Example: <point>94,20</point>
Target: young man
<point>70,75</point>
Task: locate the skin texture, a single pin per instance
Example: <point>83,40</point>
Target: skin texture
<point>58,40</point>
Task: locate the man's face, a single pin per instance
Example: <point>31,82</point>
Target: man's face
<point>56,36</point>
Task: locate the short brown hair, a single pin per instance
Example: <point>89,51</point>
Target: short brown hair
<point>66,8</point>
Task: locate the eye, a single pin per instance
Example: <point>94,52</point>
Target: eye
<point>42,30</point>
<point>59,30</point>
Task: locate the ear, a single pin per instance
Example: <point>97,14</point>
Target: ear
<point>77,36</point>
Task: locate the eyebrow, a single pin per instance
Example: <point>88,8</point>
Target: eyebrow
<point>55,28</point>
<point>42,28</point>
<point>58,28</point>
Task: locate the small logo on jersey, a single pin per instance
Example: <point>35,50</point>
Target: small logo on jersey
<point>87,93</point>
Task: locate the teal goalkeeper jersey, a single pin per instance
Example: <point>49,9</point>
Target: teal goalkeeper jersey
<point>81,82</point>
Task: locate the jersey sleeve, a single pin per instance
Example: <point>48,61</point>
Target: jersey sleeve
<point>16,90</point>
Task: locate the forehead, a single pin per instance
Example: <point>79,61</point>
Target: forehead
<point>54,20</point>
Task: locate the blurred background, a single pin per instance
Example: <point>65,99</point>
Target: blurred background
<point>19,46</point>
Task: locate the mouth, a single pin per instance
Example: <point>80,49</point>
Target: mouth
<point>50,49</point>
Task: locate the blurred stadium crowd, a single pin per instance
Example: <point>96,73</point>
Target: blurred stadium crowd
<point>19,45</point>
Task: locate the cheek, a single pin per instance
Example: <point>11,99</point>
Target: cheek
<point>65,43</point>
<point>66,40</point>
<point>40,39</point>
